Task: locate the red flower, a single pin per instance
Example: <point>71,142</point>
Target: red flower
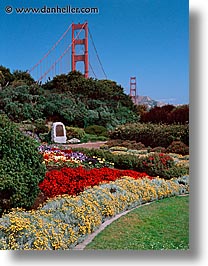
<point>74,180</point>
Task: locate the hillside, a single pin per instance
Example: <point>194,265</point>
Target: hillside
<point>70,98</point>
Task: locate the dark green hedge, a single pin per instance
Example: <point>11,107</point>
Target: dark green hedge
<point>21,167</point>
<point>152,135</point>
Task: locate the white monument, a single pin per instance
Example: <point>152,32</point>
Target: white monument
<point>58,133</point>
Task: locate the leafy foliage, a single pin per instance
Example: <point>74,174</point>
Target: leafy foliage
<point>21,167</point>
<point>152,135</point>
<point>75,132</point>
<point>96,130</point>
<point>22,78</point>
<point>178,147</point>
<point>5,76</point>
<point>168,114</point>
<point>129,144</point>
<point>162,165</point>
<point>154,164</point>
<point>71,99</point>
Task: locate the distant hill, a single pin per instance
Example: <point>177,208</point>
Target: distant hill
<point>148,101</point>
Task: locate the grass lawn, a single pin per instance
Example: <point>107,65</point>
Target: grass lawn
<point>162,225</point>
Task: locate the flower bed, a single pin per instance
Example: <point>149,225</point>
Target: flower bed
<point>154,164</point>
<point>57,158</point>
<point>74,180</point>
<point>65,221</point>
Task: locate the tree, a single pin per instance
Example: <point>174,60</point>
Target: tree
<point>141,109</point>
<point>180,114</point>
<point>158,114</point>
<point>5,76</point>
<point>22,78</point>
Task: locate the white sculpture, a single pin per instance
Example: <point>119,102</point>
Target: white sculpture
<point>58,133</point>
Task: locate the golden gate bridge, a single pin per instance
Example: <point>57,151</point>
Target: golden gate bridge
<point>67,52</point>
<point>64,55</point>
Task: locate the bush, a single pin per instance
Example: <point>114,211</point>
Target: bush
<point>74,132</point>
<point>178,147</point>
<point>157,114</point>
<point>40,126</point>
<point>129,144</point>
<point>96,130</point>
<point>21,167</point>
<point>162,165</point>
<point>152,135</point>
<point>155,164</point>
<point>167,114</point>
<point>158,149</point>
<point>45,137</point>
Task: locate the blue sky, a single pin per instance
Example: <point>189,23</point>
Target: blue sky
<point>143,38</point>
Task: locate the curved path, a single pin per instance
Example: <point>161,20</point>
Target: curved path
<point>88,145</point>
<point>82,245</point>
<point>89,238</point>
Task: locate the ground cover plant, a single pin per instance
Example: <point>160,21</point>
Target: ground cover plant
<point>162,225</point>
<point>65,221</point>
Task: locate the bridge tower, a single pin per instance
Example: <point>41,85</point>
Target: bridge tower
<point>80,57</point>
<point>133,89</point>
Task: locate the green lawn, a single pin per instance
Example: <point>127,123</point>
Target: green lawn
<point>161,225</point>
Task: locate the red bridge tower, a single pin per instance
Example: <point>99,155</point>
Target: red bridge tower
<point>81,57</point>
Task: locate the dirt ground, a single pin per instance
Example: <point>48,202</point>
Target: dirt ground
<point>88,145</point>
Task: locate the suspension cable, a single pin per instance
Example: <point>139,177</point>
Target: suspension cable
<point>92,70</point>
<point>53,47</point>
<point>97,54</point>
<point>65,51</point>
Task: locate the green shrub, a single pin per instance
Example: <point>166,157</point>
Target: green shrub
<point>21,167</point>
<point>121,161</point>
<point>91,137</point>
<point>74,132</point>
<point>96,130</point>
<point>45,137</point>
<point>129,144</point>
<point>162,165</point>
<point>40,126</point>
<point>178,147</point>
<point>158,149</point>
<point>152,135</point>
<point>154,164</point>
